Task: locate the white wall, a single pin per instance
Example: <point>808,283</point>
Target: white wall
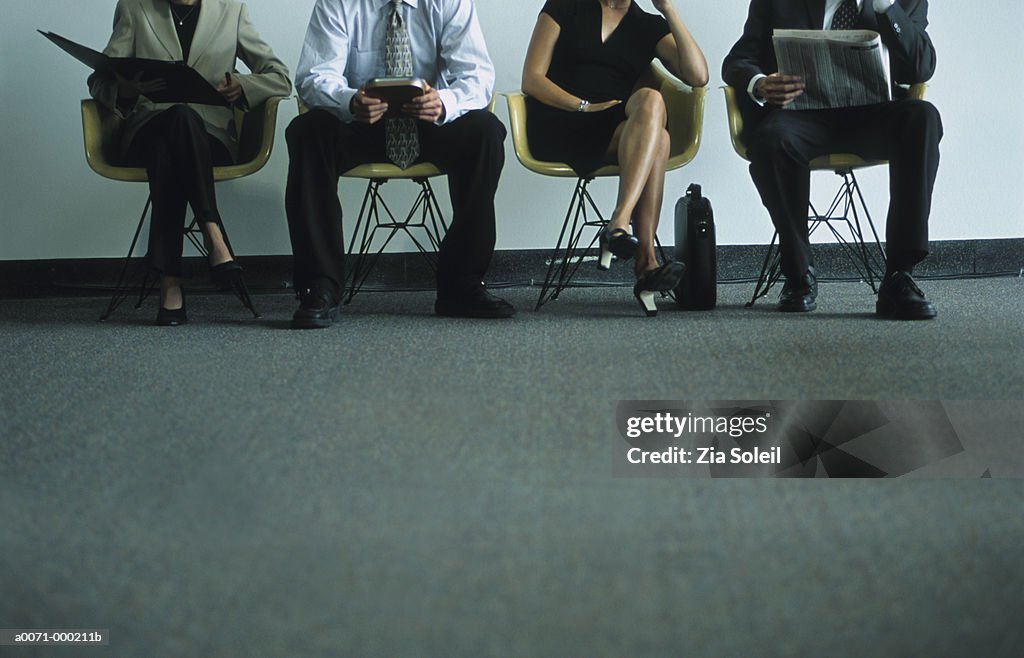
<point>53,206</point>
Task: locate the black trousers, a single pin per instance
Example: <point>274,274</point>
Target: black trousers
<point>321,148</point>
<point>905,132</point>
<point>179,156</point>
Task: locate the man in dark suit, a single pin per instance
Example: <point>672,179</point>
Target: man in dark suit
<point>781,144</point>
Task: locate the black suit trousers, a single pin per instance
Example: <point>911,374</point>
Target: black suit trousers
<point>179,156</point>
<point>904,132</point>
<point>321,147</point>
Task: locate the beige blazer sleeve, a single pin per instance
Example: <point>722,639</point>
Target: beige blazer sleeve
<point>269,75</point>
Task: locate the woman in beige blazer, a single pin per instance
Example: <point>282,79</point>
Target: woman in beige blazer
<point>179,144</point>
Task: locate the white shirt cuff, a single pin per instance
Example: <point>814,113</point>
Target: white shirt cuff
<point>882,6</point>
<point>344,110</point>
<point>750,89</point>
<point>450,104</point>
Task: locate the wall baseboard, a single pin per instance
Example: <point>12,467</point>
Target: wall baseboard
<point>272,274</point>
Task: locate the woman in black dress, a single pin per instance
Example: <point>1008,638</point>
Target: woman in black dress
<point>586,106</point>
<point>178,143</point>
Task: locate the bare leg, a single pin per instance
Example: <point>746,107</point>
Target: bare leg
<point>215,245</point>
<point>170,293</point>
<point>647,212</point>
<point>636,143</point>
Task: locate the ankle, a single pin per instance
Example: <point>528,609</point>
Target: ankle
<point>171,296</point>
<point>618,222</point>
<point>216,248</point>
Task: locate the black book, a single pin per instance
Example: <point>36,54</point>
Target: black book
<point>184,84</point>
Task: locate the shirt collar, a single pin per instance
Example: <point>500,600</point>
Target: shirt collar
<point>384,3</point>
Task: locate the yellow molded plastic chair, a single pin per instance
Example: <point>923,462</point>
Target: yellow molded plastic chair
<point>424,215</point>
<point>100,131</point>
<point>685,120</point>
<point>845,209</point>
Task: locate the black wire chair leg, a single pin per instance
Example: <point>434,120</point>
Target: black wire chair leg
<point>120,292</point>
<point>367,212</point>
<point>765,280</point>
<point>547,286</point>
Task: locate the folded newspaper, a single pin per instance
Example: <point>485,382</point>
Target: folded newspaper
<point>841,68</point>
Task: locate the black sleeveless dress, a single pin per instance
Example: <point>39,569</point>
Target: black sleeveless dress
<point>584,66</point>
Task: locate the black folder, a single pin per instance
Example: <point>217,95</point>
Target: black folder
<point>184,84</point>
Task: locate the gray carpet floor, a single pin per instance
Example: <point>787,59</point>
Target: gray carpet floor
<point>403,485</point>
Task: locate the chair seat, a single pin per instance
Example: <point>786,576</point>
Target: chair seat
<point>388,170</point>
<point>100,128</point>
<point>139,175</point>
<point>562,170</point>
<point>829,162</point>
<point>837,161</point>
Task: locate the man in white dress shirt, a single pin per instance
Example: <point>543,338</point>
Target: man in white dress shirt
<point>781,144</point>
<point>349,42</point>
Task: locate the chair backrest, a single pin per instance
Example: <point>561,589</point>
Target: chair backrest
<point>826,162</point>
<point>685,107</point>
<point>101,130</point>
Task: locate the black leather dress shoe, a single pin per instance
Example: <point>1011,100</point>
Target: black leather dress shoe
<point>899,298</point>
<point>318,308</point>
<point>799,295</point>
<point>473,303</point>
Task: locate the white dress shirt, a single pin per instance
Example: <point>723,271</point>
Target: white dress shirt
<point>344,48</point>
<point>831,7</point>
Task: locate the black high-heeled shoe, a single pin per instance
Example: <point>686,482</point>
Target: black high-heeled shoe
<point>166,317</point>
<point>226,276</point>
<point>652,282</point>
<point>618,243</point>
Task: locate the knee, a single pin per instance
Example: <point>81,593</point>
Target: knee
<point>923,116</point>
<point>487,128</point>
<point>770,140</point>
<point>184,117</point>
<point>648,105</point>
<point>309,127</point>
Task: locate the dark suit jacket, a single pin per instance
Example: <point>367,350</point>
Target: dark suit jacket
<point>903,30</point>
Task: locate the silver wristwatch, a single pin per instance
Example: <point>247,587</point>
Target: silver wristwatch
<point>583,105</point>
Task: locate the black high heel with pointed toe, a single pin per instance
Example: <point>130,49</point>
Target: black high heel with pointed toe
<point>618,243</point>
<point>166,317</point>
<point>226,275</point>
<point>653,282</point>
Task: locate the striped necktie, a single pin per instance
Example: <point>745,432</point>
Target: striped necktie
<point>400,136</point>
<point>846,16</point>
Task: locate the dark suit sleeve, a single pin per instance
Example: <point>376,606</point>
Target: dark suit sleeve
<point>754,49</point>
<point>903,28</point>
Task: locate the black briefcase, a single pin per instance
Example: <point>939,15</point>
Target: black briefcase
<point>695,247</point>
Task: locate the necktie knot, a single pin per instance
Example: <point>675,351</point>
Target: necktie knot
<point>846,16</point>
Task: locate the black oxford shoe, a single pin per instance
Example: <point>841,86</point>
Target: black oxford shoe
<point>318,309</point>
<point>899,298</point>
<point>799,295</point>
<point>473,303</point>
